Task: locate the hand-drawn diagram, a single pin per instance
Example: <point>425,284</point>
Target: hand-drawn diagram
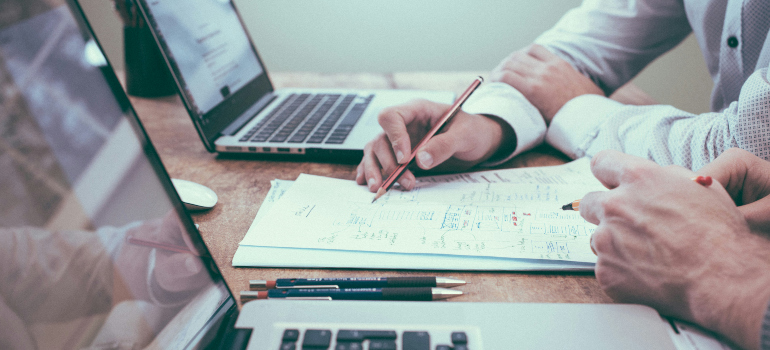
<point>482,219</point>
<point>466,229</point>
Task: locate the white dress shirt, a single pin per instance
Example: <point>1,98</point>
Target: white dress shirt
<point>611,41</point>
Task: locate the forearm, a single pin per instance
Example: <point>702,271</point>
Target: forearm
<point>739,309</point>
<point>610,43</point>
<point>41,270</point>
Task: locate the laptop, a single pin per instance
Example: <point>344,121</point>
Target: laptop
<point>98,251</point>
<point>228,94</point>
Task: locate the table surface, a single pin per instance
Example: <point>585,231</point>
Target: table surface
<point>243,184</point>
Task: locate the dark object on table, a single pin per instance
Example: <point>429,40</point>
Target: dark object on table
<point>146,73</point>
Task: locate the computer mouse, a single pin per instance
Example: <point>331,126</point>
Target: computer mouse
<point>194,195</point>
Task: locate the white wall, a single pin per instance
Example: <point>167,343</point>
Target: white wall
<point>427,35</point>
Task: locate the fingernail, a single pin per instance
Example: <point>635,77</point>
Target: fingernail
<point>425,159</point>
<point>399,156</point>
<point>358,174</point>
<point>370,182</point>
<point>405,182</point>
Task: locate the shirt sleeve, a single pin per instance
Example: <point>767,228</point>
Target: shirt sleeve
<point>611,41</point>
<point>502,101</point>
<point>664,134</point>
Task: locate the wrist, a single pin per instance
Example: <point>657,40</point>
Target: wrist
<point>503,139</point>
<point>735,309</point>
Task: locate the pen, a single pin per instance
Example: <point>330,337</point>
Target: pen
<point>413,294</point>
<point>391,180</point>
<point>355,282</point>
<point>701,180</point>
<point>164,246</point>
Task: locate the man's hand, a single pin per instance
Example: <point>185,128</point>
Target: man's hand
<point>174,272</point>
<point>682,248</point>
<point>465,141</point>
<point>546,80</point>
<point>747,178</point>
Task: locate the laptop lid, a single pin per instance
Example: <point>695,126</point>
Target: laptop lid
<point>214,63</point>
<point>97,250</point>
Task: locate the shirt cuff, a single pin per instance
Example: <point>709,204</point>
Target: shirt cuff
<point>577,123</point>
<point>503,101</point>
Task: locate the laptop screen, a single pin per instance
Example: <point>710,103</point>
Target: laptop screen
<point>208,45</point>
<point>96,250</point>
<point>210,54</point>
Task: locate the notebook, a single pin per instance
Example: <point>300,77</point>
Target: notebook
<point>99,252</point>
<point>231,100</point>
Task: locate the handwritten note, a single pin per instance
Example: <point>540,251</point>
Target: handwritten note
<point>510,218</point>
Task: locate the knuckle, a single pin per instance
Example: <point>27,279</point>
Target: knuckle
<point>635,172</point>
<point>601,241</point>
<point>443,144</point>
<point>387,115</point>
<point>736,153</point>
<point>601,272</point>
<point>507,77</point>
<point>530,49</point>
<point>614,206</point>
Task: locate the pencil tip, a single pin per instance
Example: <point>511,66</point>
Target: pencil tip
<point>566,207</point>
<point>379,194</point>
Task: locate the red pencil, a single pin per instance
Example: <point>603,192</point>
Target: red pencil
<point>391,180</point>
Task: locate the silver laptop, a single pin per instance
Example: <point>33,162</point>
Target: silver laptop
<point>98,251</point>
<point>231,100</point>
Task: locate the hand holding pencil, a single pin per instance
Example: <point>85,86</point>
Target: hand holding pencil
<point>466,140</point>
<point>689,251</point>
<point>391,180</point>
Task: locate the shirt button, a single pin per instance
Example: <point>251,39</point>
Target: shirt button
<point>732,42</point>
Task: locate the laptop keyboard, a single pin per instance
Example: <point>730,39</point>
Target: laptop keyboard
<point>350,339</point>
<point>297,117</point>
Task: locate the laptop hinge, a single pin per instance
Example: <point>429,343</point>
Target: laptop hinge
<point>244,118</point>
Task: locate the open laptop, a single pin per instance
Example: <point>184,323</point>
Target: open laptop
<point>229,96</point>
<point>98,251</point>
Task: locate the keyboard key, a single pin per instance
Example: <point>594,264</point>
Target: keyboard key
<point>382,344</point>
<point>317,339</point>
<point>415,341</point>
<point>354,335</point>
<point>288,346</point>
<point>274,124</point>
<point>459,338</point>
<point>267,118</point>
<point>297,119</point>
<point>443,347</point>
<point>290,335</point>
<point>317,116</point>
<point>349,346</point>
<point>461,347</point>
<point>332,119</point>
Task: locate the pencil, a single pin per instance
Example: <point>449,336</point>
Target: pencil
<point>391,180</point>
<point>164,246</point>
<point>701,180</point>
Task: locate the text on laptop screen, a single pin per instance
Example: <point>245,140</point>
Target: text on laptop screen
<point>85,214</point>
<point>209,46</point>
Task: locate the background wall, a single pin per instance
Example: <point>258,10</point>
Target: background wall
<point>429,35</point>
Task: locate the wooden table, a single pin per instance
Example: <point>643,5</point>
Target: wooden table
<point>242,185</point>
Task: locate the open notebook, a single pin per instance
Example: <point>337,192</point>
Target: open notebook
<point>490,220</point>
